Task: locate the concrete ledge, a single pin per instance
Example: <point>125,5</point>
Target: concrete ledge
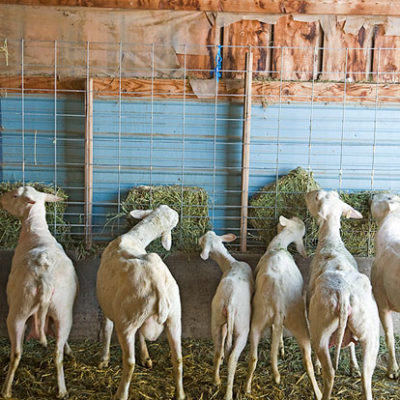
<point>197,280</point>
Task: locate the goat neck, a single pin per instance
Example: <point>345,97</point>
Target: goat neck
<point>34,225</point>
<point>329,230</point>
<point>143,233</point>
<point>281,240</point>
<point>222,257</point>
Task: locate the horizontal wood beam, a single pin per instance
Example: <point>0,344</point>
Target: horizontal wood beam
<point>265,92</point>
<point>333,7</point>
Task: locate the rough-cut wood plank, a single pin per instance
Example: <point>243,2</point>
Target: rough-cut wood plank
<point>347,54</point>
<point>39,84</point>
<point>267,92</point>
<point>244,199</point>
<point>88,207</point>
<point>201,65</point>
<point>246,33</point>
<point>386,60</point>
<point>333,7</point>
<point>297,55</point>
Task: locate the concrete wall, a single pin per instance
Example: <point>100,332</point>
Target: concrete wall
<point>197,280</point>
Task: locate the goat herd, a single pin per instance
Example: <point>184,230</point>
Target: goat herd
<point>138,294</point>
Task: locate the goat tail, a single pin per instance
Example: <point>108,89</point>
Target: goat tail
<point>230,320</point>
<point>45,292</point>
<point>344,305</point>
<point>163,304</point>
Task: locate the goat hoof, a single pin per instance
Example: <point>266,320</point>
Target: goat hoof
<point>147,363</point>
<point>355,372</point>
<point>217,382</point>
<point>180,396</point>
<point>277,379</point>
<point>393,375</point>
<point>6,394</point>
<point>62,395</point>
<point>103,364</point>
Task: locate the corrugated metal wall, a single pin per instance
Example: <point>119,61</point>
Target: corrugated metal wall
<point>194,143</point>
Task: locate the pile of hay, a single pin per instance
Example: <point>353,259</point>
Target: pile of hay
<point>358,234</point>
<point>284,197</point>
<point>10,226</point>
<point>36,378</point>
<point>191,203</point>
<point>287,198</point>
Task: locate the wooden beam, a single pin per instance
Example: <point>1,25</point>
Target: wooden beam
<point>266,92</point>
<point>246,33</point>
<point>325,7</point>
<point>294,55</point>
<point>88,163</point>
<point>246,151</point>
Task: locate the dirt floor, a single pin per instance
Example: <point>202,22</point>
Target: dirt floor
<point>36,379</point>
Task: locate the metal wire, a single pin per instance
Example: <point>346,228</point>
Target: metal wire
<point>167,134</point>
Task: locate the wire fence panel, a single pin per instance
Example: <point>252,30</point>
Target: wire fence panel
<point>154,124</point>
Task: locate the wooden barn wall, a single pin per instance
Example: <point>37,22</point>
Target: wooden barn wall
<point>286,47</point>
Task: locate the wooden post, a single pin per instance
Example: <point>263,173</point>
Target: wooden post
<point>88,162</point>
<point>246,150</point>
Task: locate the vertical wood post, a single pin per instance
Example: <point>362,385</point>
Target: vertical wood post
<point>88,162</point>
<point>246,150</point>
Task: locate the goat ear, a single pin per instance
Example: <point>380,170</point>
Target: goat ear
<point>228,237</point>
<point>393,206</point>
<point>166,240</point>
<point>51,198</point>
<point>140,214</point>
<point>205,253</point>
<point>283,221</point>
<point>350,212</point>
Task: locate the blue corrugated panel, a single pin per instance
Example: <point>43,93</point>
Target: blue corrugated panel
<point>199,144</point>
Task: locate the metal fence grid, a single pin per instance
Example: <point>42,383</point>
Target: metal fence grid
<point>162,134</point>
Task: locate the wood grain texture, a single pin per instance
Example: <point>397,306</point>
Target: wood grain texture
<point>266,92</point>
<point>346,54</point>
<point>386,57</point>
<point>332,7</point>
<point>246,33</point>
<point>297,56</point>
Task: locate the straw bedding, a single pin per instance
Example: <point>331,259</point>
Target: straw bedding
<point>36,379</point>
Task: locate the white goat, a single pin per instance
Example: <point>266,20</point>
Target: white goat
<point>42,282</point>
<point>278,300</point>
<point>341,305</point>
<point>385,274</point>
<point>137,292</point>
<point>231,305</point>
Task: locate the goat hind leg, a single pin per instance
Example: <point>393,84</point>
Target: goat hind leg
<point>108,326</point>
<point>16,328</point>
<point>387,322</point>
<point>219,337</point>
<point>127,342</point>
<point>174,332</point>
<point>277,329</point>
<point>237,349</point>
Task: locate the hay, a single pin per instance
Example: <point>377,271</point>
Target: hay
<point>288,200</point>
<point>190,202</point>
<point>358,234</point>
<point>36,378</point>
<point>10,226</point>
<point>284,197</point>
